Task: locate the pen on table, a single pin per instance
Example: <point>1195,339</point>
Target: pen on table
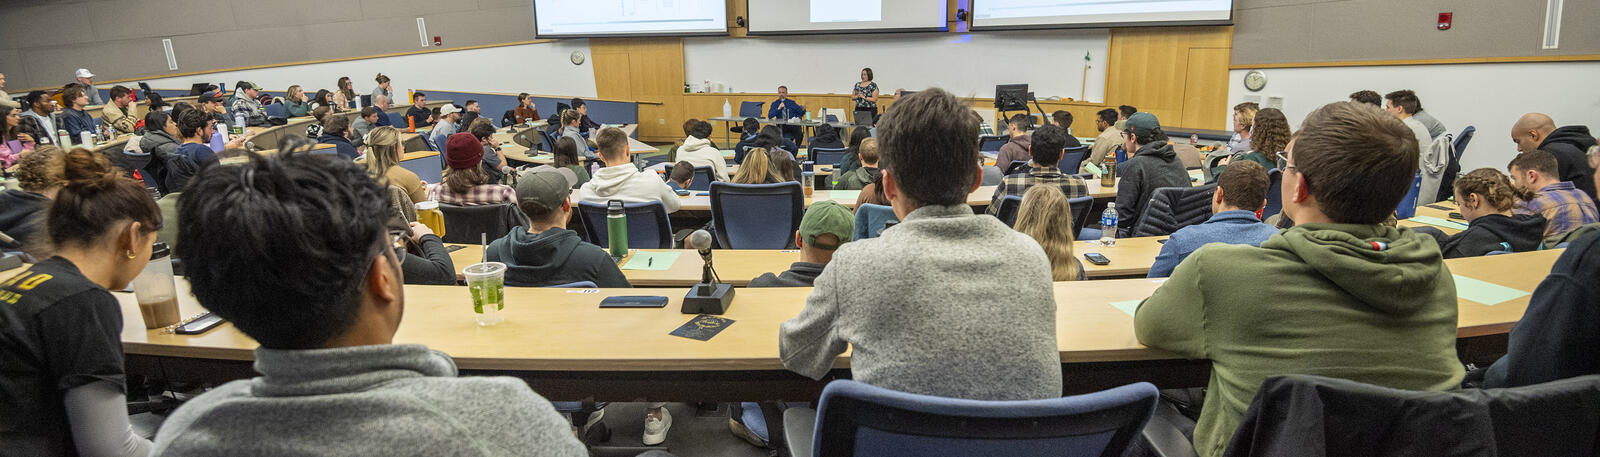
<point>650,261</point>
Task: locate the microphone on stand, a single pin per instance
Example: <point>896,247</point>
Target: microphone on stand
<point>711,295</point>
<point>9,260</point>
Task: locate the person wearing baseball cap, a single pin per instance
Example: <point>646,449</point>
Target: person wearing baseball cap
<point>211,102</point>
<point>1153,165</point>
<point>245,102</point>
<point>545,253</point>
<point>448,115</point>
<point>86,78</point>
<point>826,226</point>
<point>465,183</point>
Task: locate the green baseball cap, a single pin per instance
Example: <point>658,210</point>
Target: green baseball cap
<point>543,187</point>
<point>827,216</point>
<point>1143,124</point>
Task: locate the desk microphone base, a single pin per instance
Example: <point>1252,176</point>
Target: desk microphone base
<point>708,299</point>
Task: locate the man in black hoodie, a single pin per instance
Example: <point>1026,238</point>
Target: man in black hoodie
<point>1154,165</point>
<point>546,253</point>
<point>1536,131</point>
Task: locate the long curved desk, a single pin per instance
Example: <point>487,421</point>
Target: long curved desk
<point>565,347</point>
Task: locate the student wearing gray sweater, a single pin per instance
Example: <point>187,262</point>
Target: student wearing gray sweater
<point>324,305</point>
<point>930,328</point>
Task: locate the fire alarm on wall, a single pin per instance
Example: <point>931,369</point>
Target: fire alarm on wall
<point>1445,19</point>
<point>437,41</point>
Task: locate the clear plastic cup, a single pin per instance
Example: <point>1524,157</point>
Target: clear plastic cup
<point>155,291</point>
<point>487,283</point>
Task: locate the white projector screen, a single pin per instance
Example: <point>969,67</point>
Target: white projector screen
<point>574,18</point>
<point>1002,14</point>
<point>831,16</point>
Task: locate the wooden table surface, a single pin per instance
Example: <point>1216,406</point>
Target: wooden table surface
<point>734,266</point>
<point>1425,210</point>
<point>565,330</point>
<point>702,203</point>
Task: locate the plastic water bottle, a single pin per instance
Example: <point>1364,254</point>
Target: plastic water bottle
<point>1108,225</point>
<point>238,124</point>
<point>63,139</point>
<point>727,108</point>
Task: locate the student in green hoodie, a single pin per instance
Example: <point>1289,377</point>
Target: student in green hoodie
<point>545,253</point>
<point>1338,295</point>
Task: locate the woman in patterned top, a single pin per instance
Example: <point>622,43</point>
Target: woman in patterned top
<point>866,96</point>
<point>465,183</point>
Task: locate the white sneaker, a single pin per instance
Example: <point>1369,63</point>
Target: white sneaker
<point>655,430</point>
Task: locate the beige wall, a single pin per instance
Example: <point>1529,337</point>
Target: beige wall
<point>45,41</point>
<point>1294,31</point>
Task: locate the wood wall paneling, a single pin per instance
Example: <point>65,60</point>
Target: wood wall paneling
<point>647,70</point>
<point>1158,71</point>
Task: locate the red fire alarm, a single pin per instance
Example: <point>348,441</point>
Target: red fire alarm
<point>439,42</point>
<point>1444,21</point>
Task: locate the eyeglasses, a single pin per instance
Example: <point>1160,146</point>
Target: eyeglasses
<point>1283,157</point>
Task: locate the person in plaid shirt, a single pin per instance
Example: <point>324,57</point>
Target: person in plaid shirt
<point>245,103</point>
<point>465,183</point>
<point>1562,204</point>
<point>1046,149</point>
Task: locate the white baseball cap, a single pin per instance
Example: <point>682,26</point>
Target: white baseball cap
<point>84,73</point>
<point>449,109</point>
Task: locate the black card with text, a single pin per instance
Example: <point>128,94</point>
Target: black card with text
<point>702,327</point>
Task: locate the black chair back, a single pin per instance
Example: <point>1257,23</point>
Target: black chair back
<point>467,224</point>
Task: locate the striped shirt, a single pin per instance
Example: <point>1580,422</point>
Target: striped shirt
<point>1566,207</point>
<point>1019,182</point>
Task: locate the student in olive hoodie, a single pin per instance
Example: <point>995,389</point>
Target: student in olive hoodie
<point>1487,197</point>
<point>1338,295</point>
<point>1153,166</point>
<point>546,253</point>
<point>621,180</point>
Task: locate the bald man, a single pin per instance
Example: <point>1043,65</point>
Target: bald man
<point>1536,131</point>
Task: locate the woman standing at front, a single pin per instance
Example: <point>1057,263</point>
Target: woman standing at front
<point>65,388</point>
<point>866,97</point>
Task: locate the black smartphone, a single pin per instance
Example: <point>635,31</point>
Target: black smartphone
<point>682,193</point>
<point>454,247</point>
<point>634,301</point>
<point>1096,258</point>
<point>1457,216</point>
<point>200,324</point>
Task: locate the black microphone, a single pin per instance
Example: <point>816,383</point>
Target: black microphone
<point>710,296</point>
<point>700,240</point>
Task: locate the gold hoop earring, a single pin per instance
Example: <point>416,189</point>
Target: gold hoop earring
<point>130,254</point>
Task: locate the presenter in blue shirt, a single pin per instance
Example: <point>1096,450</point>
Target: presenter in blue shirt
<point>785,108</point>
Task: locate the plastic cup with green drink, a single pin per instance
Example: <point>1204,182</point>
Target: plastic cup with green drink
<point>487,283</point>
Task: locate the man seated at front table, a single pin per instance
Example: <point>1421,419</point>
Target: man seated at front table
<point>1240,193</point>
<point>324,305</point>
<point>545,253</point>
<point>621,180</point>
<point>786,108</point>
<point>419,113</point>
<point>1046,150</point>
<point>1017,148</point>
<point>1152,165</point>
<point>119,114</point>
<point>980,340</point>
<point>1339,294</point>
<point>1564,206</point>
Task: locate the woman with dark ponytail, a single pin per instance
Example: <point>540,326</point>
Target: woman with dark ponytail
<point>65,387</point>
<point>1487,197</point>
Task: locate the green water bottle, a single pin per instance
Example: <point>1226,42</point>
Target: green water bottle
<point>617,228</point>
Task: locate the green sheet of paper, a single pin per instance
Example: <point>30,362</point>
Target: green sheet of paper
<point>1437,222</point>
<point>1485,292</point>
<point>1091,168</point>
<point>1126,306</point>
<point>657,261</point>
<point>845,194</point>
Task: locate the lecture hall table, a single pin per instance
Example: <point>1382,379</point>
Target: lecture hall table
<point>565,347</point>
<point>1130,257</point>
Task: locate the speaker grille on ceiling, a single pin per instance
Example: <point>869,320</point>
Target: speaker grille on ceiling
<point>1552,24</point>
